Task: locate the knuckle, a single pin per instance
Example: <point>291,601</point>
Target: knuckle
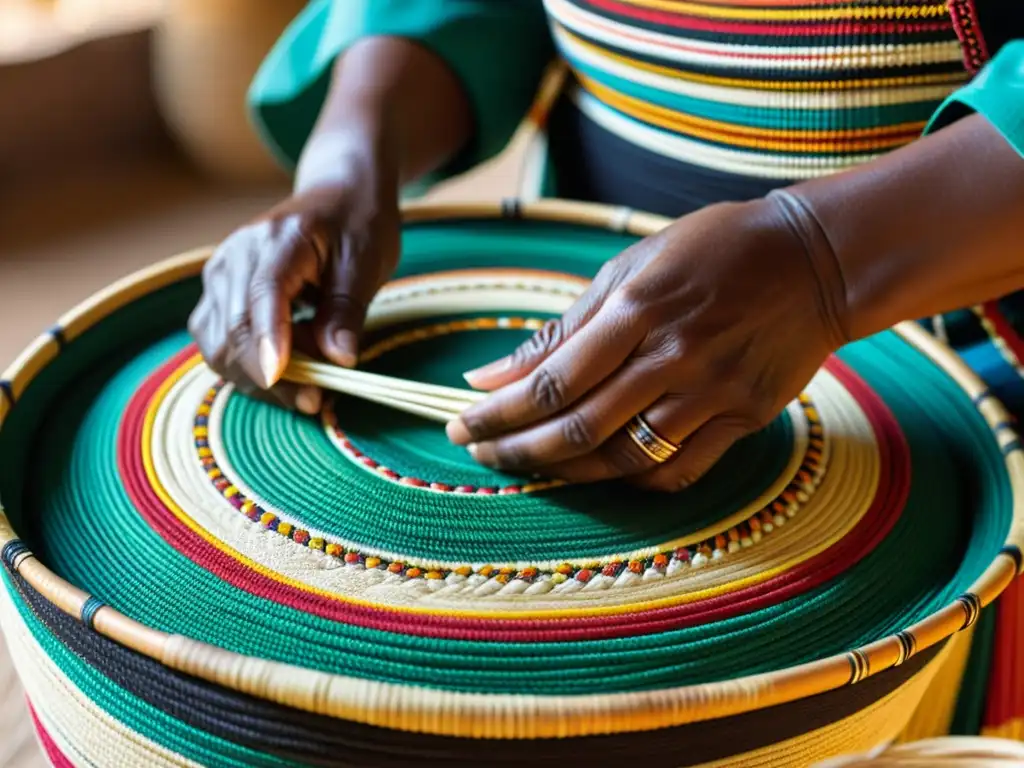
<point>478,425</point>
<point>578,432</point>
<point>628,304</point>
<point>666,348</point>
<point>264,286</point>
<point>547,392</point>
<point>239,331</point>
<point>344,303</point>
<point>543,342</point>
<point>511,456</point>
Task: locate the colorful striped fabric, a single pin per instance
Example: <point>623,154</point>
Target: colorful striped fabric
<point>777,89</point>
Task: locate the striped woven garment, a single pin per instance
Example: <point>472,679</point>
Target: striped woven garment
<point>774,89</point>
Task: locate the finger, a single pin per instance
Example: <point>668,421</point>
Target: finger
<point>205,330</point>
<point>542,344</point>
<point>579,365</point>
<point>350,283</point>
<point>697,455</point>
<point>277,280</point>
<point>581,430</point>
<point>238,333</point>
<point>671,419</point>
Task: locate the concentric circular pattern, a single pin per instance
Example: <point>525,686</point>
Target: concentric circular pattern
<point>296,584</point>
<point>261,508</point>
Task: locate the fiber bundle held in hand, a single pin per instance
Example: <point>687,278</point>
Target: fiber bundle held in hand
<point>197,578</point>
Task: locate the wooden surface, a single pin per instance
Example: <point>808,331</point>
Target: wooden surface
<point>60,243</point>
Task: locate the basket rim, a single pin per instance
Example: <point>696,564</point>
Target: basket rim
<point>419,709</point>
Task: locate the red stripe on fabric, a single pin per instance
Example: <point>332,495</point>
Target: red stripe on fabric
<point>53,753</point>
<point>1004,329</point>
<point>964,16</point>
<point>1005,700</point>
<point>881,516</point>
<point>846,27</point>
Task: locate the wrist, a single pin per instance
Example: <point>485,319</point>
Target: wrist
<point>791,213</point>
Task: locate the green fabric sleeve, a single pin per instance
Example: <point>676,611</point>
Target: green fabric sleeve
<point>497,48</point>
<point>997,92</point>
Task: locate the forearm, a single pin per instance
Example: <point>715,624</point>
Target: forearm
<point>388,97</point>
<point>932,227</point>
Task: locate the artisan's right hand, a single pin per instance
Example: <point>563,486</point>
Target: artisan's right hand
<point>340,237</point>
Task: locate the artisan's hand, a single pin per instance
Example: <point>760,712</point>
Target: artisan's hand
<point>341,238</point>
<point>394,112</point>
<point>707,330</point>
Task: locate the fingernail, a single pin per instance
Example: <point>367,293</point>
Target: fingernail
<point>308,400</point>
<point>457,432</point>
<point>473,450</point>
<point>269,362</point>
<point>346,348</point>
<point>491,369</point>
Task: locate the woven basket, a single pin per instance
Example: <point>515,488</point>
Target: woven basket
<point>195,578</point>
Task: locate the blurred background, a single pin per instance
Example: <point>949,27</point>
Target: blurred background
<point>123,141</point>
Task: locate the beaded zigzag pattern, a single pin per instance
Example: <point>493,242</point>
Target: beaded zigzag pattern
<point>537,580</point>
<point>965,22</point>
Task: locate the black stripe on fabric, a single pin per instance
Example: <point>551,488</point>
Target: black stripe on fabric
<point>592,164</point>
<point>981,397</point>
<point>1016,554</point>
<point>5,387</point>
<point>840,37</point>
<point>777,74</point>
<point>57,334</point>
<point>317,740</point>
<point>1011,447</point>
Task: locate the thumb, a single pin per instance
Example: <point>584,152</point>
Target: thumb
<point>349,284</point>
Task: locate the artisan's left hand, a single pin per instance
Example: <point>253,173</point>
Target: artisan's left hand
<point>707,330</point>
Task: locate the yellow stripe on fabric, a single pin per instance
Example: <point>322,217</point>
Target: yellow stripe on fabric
<point>933,718</point>
<point>854,140</point>
<point>1012,730</point>
<point>857,12</point>
<point>942,78</point>
<point>613,610</point>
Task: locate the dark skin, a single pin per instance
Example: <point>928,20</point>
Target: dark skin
<point>708,328</point>
<point>394,113</point>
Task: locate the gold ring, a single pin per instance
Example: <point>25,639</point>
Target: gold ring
<point>654,446</point>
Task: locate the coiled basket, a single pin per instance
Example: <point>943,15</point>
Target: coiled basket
<point>192,577</point>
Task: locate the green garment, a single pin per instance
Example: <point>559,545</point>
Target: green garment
<point>996,92</point>
<point>497,48</point>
